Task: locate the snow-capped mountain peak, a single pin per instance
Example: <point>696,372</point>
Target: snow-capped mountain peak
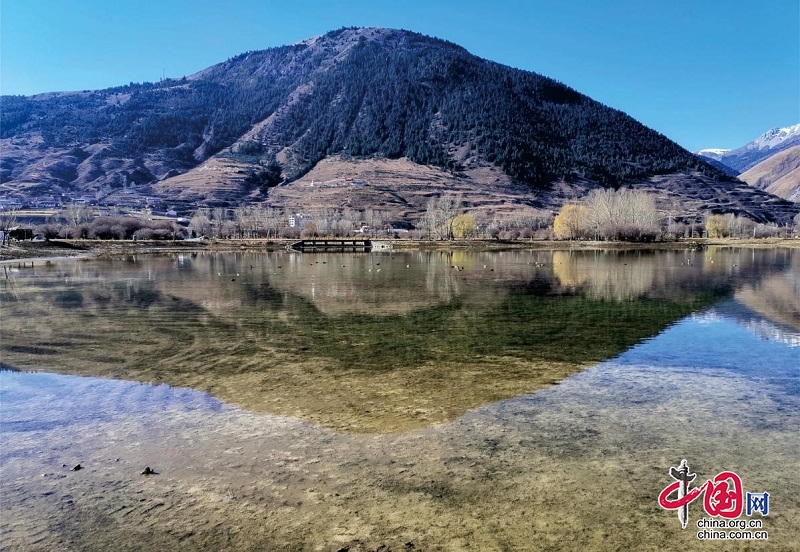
<point>775,137</point>
<point>713,153</point>
<point>750,154</point>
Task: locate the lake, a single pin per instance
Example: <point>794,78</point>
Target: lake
<point>460,400</point>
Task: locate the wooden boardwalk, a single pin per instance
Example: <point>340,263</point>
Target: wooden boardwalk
<point>331,245</point>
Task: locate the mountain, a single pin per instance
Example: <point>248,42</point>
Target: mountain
<point>778,174</point>
<point>713,156</point>
<point>713,153</point>
<point>768,144</point>
<point>354,118</point>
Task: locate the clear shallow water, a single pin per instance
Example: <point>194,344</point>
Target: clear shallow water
<point>708,340</point>
<point>705,345</point>
<point>704,342</point>
<point>718,386</point>
<point>42,401</point>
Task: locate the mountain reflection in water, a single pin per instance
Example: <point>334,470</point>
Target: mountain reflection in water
<point>376,342</point>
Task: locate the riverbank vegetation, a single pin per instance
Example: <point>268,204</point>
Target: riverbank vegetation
<point>622,215</point>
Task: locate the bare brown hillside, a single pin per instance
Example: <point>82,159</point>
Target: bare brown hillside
<point>398,186</point>
<point>401,187</point>
<point>778,175</point>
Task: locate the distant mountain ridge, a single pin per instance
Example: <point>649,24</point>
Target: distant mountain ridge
<point>248,129</point>
<point>752,153</point>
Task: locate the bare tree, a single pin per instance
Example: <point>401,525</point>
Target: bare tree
<point>611,210</point>
<point>449,205</point>
<point>375,218</point>
<point>247,221</point>
<point>437,222</point>
<point>201,222</point>
<point>347,222</point>
<point>327,221</point>
<point>270,219</point>
<point>218,218</point>
<point>431,223</point>
<point>76,214</point>
<point>8,219</point>
<point>227,228</point>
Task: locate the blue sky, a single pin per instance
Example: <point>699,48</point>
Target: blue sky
<point>706,73</point>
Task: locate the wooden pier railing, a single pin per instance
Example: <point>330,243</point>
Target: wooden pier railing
<point>332,245</point>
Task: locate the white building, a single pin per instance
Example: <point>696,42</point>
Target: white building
<point>296,220</point>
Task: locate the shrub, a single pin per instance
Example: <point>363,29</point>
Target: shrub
<point>49,231</point>
<point>309,231</point>
<point>290,233</point>
<point>156,233</point>
<point>630,232</point>
<point>716,226</point>
<point>571,222</point>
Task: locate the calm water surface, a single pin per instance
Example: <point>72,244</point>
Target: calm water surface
<point>465,400</point>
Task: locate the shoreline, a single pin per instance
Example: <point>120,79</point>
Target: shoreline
<point>79,249</point>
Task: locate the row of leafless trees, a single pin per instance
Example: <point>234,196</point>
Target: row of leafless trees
<point>631,215</point>
<point>607,214</point>
<point>437,222</point>
<point>730,225</point>
<point>445,218</point>
<point>624,215</point>
<point>604,214</point>
<point>268,222</point>
<point>242,222</point>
